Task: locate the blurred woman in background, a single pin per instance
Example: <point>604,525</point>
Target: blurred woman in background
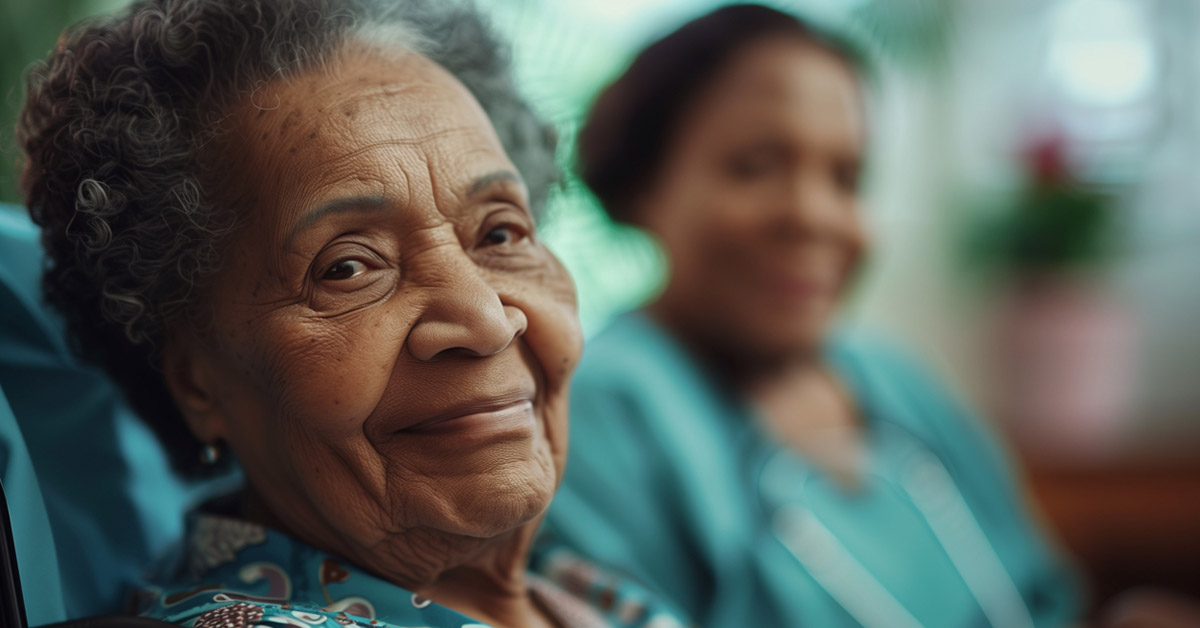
<point>729,447</point>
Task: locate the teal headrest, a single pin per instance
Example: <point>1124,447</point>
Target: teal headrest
<point>110,497</point>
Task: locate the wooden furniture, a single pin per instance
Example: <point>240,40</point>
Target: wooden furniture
<point>1130,520</point>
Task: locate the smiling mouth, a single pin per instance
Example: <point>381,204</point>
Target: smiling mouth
<point>494,416</point>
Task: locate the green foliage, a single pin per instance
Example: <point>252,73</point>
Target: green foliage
<point>917,32</point>
<point>28,30</point>
<point>1044,228</point>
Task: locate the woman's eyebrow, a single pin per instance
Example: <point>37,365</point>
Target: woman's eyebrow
<point>336,206</point>
<point>377,203</point>
<point>482,183</point>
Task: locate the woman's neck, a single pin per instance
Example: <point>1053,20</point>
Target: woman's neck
<point>489,585</point>
<point>798,399</point>
<point>738,368</point>
<point>492,587</point>
<point>808,410</point>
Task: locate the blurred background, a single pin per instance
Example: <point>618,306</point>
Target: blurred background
<point>1035,213</point>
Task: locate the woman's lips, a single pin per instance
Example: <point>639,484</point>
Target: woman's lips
<point>800,290</point>
<point>480,419</point>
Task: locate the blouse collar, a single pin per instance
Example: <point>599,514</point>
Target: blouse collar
<point>249,562</point>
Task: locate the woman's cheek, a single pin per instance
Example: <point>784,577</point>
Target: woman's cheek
<point>554,330</point>
<point>331,378</point>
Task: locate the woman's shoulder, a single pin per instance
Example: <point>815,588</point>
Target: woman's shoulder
<point>885,376</point>
<point>636,383</point>
<point>866,350</point>
<point>631,347</point>
<point>893,387</point>
<point>635,361</point>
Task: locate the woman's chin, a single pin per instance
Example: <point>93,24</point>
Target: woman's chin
<point>787,336</point>
<point>501,503</point>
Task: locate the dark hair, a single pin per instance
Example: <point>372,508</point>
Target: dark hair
<point>634,120</point>
<point>121,167</point>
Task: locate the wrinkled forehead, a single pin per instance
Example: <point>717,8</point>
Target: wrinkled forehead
<point>389,125</point>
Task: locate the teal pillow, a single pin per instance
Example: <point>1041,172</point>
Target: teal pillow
<point>34,542</point>
<point>111,499</point>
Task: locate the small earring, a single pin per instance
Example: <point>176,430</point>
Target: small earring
<point>210,454</point>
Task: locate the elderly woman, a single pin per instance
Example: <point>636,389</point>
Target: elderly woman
<point>291,232</point>
<point>728,447</point>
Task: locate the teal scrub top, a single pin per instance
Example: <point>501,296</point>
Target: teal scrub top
<point>675,481</point>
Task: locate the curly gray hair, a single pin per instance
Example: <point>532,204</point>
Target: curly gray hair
<point>118,129</point>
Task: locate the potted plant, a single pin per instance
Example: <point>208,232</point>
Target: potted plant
<point>1063,339</point>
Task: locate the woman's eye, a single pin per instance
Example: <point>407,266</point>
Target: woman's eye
<point>504,234</point>
<point>751,167</point>
<point>343,269</point>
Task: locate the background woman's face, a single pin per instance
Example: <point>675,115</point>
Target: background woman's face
<point>757,200</point>
<point>391,343</point>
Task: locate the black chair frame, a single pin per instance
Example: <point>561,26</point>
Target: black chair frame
<point>12,602</point>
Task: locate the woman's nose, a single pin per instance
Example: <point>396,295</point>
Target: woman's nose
<point>811,208</point>
<point>465,315</point>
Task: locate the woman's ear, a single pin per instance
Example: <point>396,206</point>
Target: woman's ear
<point>187,370</point>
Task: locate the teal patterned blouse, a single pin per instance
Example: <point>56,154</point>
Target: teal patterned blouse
<point>237,574</point>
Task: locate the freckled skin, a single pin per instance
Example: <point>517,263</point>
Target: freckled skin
<point>313,380</point>
<point>757,206</point>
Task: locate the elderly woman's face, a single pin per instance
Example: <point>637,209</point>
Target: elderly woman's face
<point>391,343</point>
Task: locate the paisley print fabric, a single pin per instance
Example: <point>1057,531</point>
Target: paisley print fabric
<point>237,574</point>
